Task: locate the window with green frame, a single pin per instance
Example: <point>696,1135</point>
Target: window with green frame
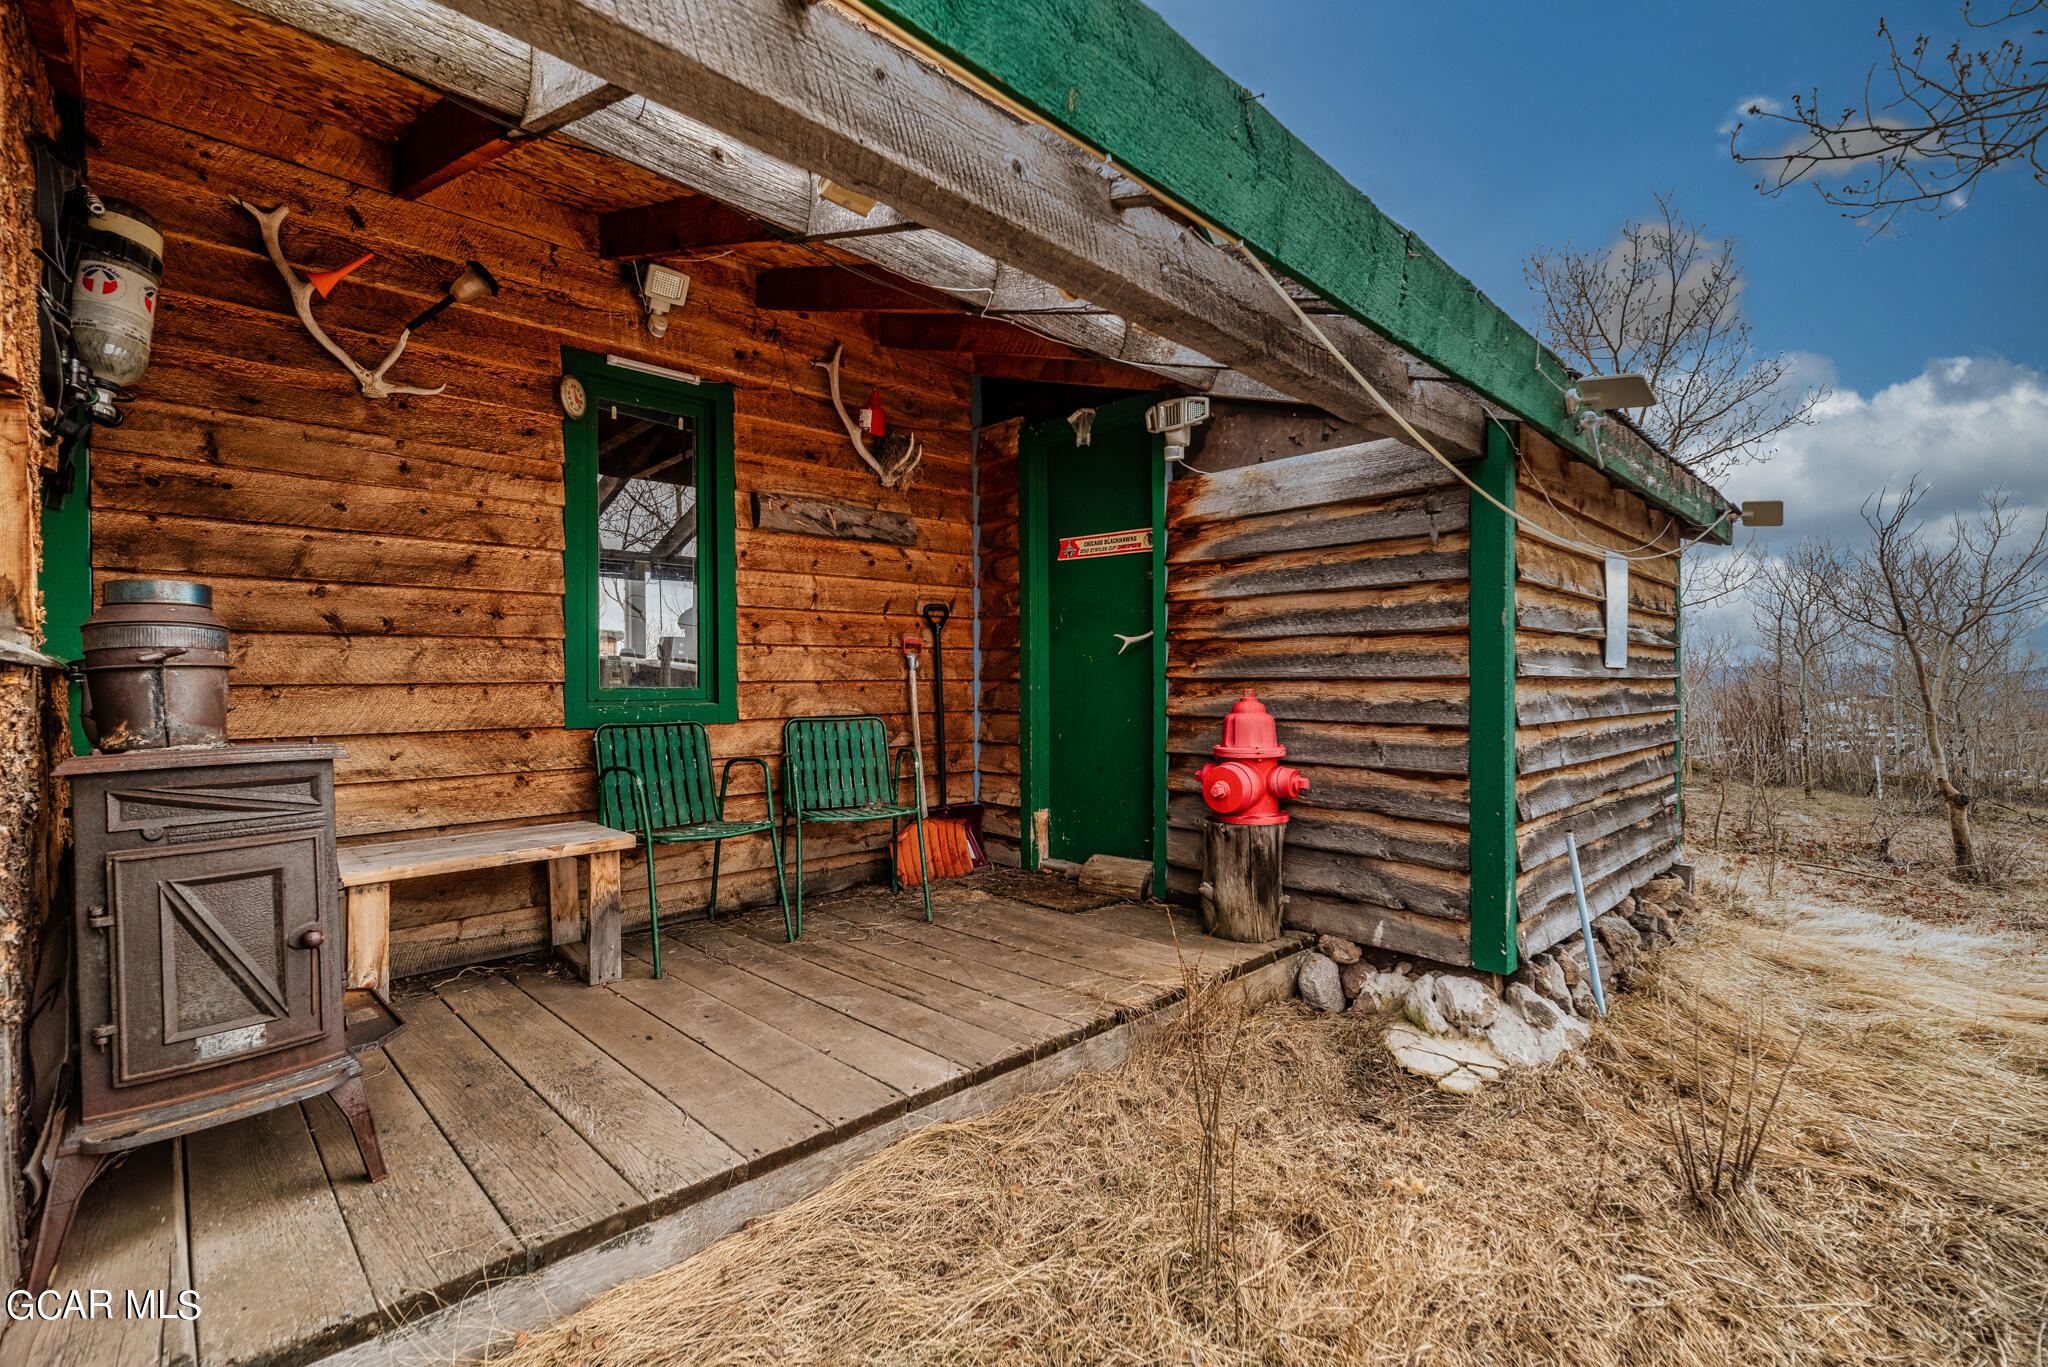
<point>648,549</point>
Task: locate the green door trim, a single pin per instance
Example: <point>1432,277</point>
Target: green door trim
<point>1491,704</point>
<point>1034,588</point>
<point>65,577</point>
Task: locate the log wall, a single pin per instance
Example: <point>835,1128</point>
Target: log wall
<point>1595,748</point>
<point>1336,583</point>
<point>392,572</point>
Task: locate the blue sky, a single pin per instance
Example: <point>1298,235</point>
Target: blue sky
<point>1490,128</point>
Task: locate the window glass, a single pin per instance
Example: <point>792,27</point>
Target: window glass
<point>650,572</point>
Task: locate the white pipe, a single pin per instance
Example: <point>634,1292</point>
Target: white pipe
<point>1571,847</point>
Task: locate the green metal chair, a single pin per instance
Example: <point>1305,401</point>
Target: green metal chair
<point>655,778</point>
<point>840,769</point>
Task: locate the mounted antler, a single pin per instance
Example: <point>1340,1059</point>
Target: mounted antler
<point>372,382</point>
<point>903,450</point>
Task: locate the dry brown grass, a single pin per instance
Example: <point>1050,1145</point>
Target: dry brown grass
<point>1896,1212</point>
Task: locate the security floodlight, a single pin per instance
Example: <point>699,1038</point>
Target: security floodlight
<point>1763,512</point>
<point>1175,420</point>
<point>1605,393</point>
<point>662,289</point>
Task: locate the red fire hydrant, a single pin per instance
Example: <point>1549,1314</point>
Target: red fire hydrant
<point>1246,787</point>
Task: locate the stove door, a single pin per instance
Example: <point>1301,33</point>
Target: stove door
<point>216,952</point>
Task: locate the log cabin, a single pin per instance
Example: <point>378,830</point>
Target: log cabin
<point>1458,599</point>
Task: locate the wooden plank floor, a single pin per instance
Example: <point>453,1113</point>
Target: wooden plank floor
<point>526,1117</point>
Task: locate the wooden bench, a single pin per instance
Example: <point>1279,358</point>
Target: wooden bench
<point>585,926</point>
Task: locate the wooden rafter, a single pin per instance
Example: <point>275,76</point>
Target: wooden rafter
<point>834,289</point>
<point>964,332</point>
<point>53,25</point>
<point>1044,370</point>
<point>456,137</point>
<point>464,57</point>
<point>451,139</point>
<point>867,111</point>
<point>855,106</point>
<point>687,223</point>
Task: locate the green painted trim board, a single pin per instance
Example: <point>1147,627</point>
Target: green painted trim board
<point>65,578</point>
<point>1492,702</point>
<point>1158,449</point>
<point>1116,76</point>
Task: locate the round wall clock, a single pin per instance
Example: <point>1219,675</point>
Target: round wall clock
<point>574,401</point>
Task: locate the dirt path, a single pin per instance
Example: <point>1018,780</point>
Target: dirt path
<point>1899,1211</point>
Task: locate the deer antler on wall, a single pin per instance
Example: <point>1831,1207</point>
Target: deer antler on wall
<point>372,382</point>
<point>902,450</point>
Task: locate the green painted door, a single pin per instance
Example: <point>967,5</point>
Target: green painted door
<point>1099,628</point>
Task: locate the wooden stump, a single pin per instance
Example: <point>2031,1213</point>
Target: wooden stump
<point>1241,881</point>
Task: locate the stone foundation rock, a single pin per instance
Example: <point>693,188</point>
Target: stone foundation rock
<point>1464,1028</point>
<point>1319,982</point>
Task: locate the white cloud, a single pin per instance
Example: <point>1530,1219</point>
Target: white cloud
<point>1964,424</point>
<point>1748,109</point>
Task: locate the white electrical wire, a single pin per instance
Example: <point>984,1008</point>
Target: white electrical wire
<point>1568,543</point>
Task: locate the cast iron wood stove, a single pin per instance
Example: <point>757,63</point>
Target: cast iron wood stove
<point>209,955</point>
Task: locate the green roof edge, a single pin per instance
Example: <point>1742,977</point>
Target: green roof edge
<point>1117,76</point>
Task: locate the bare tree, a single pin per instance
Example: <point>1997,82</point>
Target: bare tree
<point>1791,605</point>
<point>1666,301</point>
<point>1950,607</point>
<point>1927,128</point>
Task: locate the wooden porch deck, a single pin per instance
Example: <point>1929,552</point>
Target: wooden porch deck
<point>530,1122</point>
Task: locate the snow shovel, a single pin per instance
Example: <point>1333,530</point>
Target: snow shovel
<point>945,848</point>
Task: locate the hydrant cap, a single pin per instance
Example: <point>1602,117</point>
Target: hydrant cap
<point>1249,733</point>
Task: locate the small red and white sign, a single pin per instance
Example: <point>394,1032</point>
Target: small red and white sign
<point>1133,542</point>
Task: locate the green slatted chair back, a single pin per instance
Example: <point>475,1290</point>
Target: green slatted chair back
<point>673,760</point>
<point>837,762</point>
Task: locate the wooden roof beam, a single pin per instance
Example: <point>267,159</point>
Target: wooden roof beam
<point>838,289</point>
<point>819,88</point>
<point>452,52</point>
<point>1090,71</point>
<point>965,332</point>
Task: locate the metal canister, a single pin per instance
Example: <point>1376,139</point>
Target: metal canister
<point>156,667</point>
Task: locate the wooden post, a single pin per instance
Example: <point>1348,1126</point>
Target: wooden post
<point>369,936</point>
<point>607,959</point>
<point>565,903</point>
<point>1241,897</point>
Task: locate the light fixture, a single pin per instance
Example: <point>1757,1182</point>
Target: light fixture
<point>1763,512</point>
<point>648,368</point>
<point>473,284</point>
<point>1175,420</point>
<point>662,289</point>
<point>1605,393</point>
